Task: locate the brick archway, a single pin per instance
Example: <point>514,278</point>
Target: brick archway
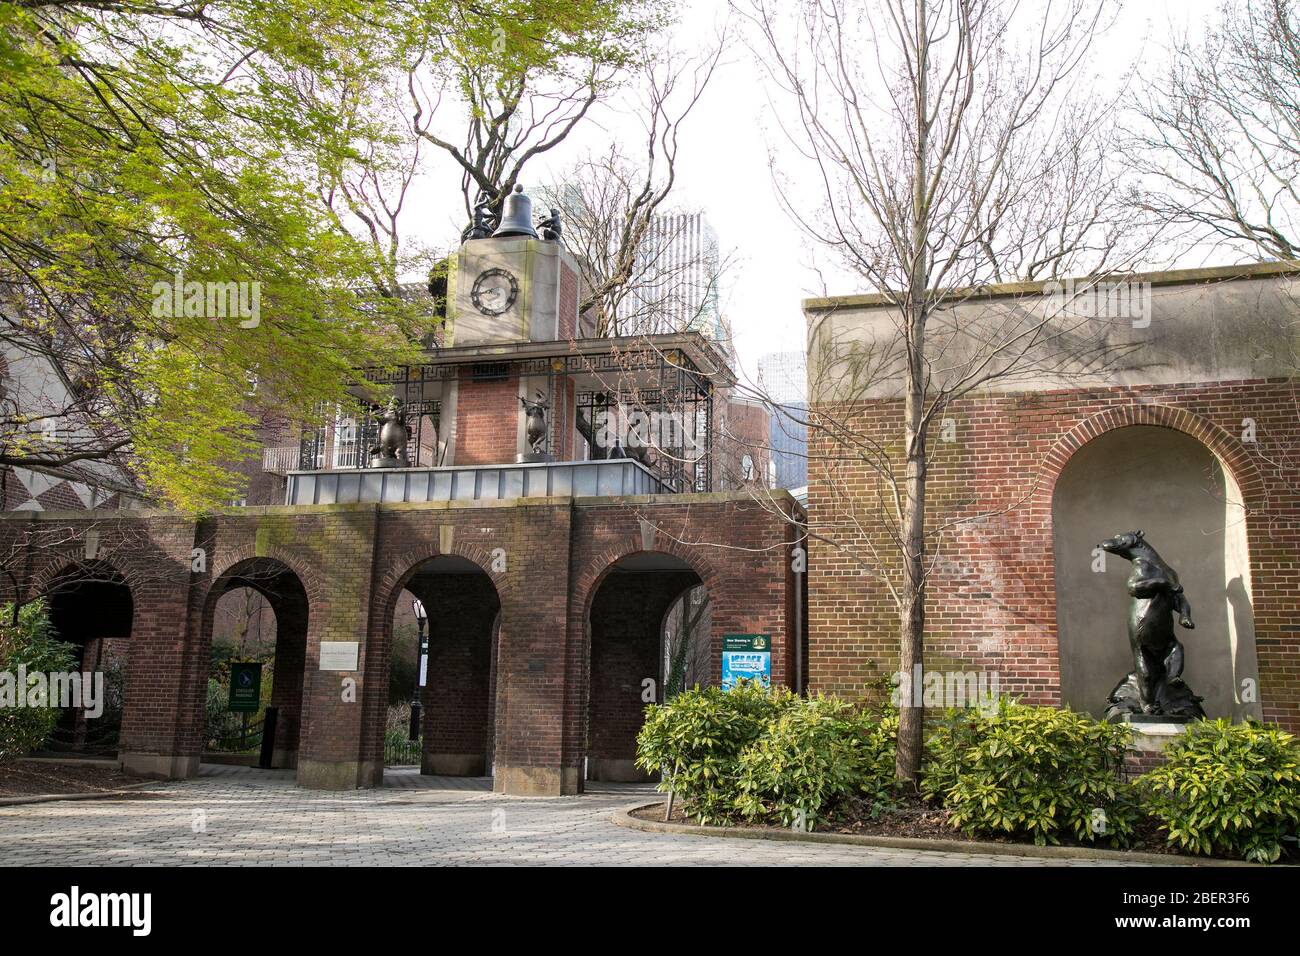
<point>93,607</point>
<point>58,566</point>
<point>304,571</point>
<point>1231,453</point>
<point>448,737</point>
<point>621,627</point>
<point>587,582</point>
<point>291,594</point>
<point>402,568</point>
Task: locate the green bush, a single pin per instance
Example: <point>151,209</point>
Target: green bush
<point>1228,788</point>
<point>1034,772</point>
<point>812,756</point>
<point>696,739</point>
<point>766,755</point>
<point>32,643</point>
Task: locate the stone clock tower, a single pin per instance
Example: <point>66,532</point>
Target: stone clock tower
<point>512,286</point>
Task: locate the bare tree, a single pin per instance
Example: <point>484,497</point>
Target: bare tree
<point>929,128</point>
<point>1220,135</point>
<point>637,276</point>
<point>513,111</point>
<point>245,619</point>
<point>686,649</point>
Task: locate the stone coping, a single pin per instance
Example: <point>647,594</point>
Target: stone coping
<point>1257,270</point>
<point>600,501</point>
<point>624,818</point>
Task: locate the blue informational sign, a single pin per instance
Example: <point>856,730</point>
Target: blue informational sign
<point>748,656</point>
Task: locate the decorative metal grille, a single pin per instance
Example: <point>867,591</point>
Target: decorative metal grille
<point>348,442</point>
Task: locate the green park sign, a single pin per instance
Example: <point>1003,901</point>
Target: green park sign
<point>245,688</point>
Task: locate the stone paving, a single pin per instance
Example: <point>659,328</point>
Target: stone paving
<point>244,817</point>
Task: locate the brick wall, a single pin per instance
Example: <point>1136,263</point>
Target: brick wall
<point>544,559</point>
<point>487,420</point>
<point>992,603</point>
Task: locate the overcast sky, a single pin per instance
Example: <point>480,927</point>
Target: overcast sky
<point>724,170</point>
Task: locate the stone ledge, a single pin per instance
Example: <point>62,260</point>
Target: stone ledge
<point>624,818</point>
<point>1257,270</point>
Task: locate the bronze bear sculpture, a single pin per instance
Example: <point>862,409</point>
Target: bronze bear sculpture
<point>1155,685</point>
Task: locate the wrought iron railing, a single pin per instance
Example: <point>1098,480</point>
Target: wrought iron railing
<point>346,442</point>
<point>400,751</point>
<point>96,738</point>
<point>233,734</point>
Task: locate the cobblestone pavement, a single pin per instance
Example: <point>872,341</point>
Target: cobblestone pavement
<point>243,817</point>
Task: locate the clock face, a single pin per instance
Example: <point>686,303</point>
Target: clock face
<point>495,290</point>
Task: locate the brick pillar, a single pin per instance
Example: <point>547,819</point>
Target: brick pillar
<point>334,752</point>
<point>532,653</point>
<point>158,734</point>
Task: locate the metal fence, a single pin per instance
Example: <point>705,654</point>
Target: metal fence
<point>399,752</point>
<point>233,734</point>
<point>92,738</point>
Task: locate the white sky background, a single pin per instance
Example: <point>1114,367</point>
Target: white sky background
<point>723,169</point>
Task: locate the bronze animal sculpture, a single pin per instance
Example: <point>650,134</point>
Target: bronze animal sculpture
<point>535,422</point>
<point>1155,685</point>
<point>394,433</point>
<point>484,222</point>
<point>552,227</point>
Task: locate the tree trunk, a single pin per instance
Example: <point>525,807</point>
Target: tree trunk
<point>911,716</point>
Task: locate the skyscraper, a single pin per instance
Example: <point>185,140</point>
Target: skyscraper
<point>783,380</point>
<point>675,279</point>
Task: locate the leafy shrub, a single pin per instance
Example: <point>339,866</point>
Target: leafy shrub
<point>766,755</point>
<point>696,738</point>
<point>1228,788</point>
<point>33,644</point>
<point>1034,772</point>
<point>810,757</point>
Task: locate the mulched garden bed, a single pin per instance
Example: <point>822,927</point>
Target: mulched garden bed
<point>25,778</point>
<point>915,819</point>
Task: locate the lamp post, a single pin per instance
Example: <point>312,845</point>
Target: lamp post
<point>421,663</point>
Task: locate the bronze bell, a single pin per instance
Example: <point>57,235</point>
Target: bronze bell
<point>517,219</point>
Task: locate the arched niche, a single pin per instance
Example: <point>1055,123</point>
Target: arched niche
<point>1172,487</point>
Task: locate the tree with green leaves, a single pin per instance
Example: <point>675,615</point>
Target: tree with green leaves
<point>29,641</point>
<point>169,274</point>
